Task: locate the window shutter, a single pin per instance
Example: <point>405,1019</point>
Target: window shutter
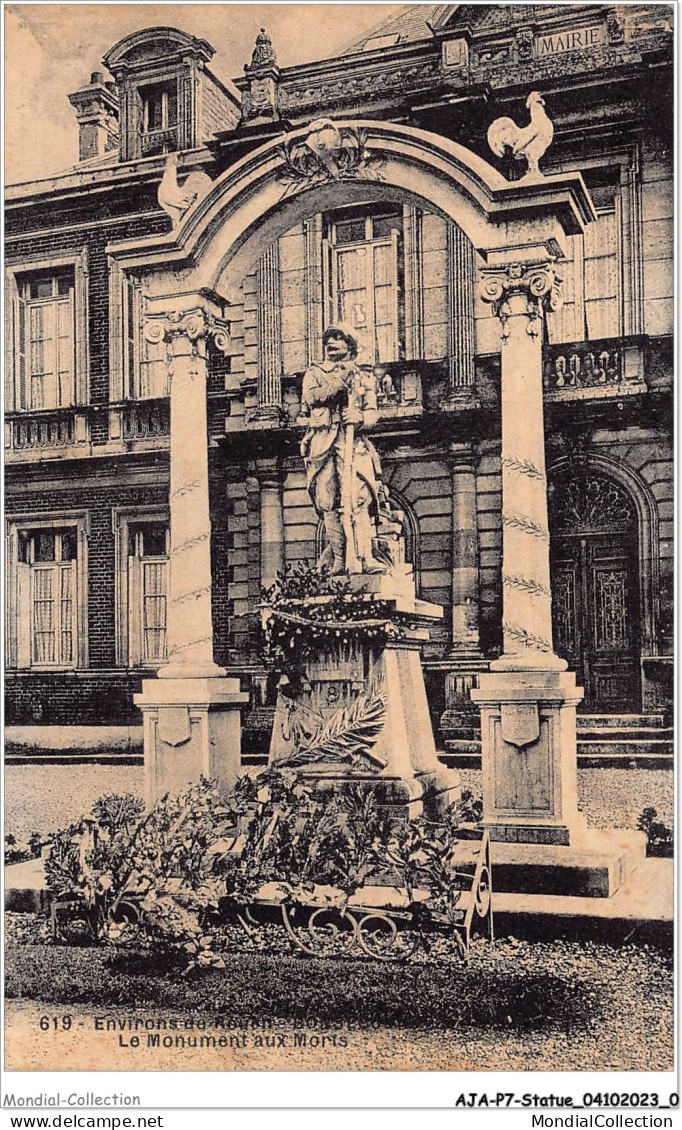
<point>67,613</point>
<point>134,611</point>
<point>327,288</point>
<point>66,351</point>
<point>154,577</point>
<point>23,615</point>
<point>20,389</point>
<point>395,342</point>
<point>131,318</point>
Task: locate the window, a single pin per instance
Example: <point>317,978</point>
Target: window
<point>138,369</point>
<point>45,340</point>
<point>592,285</point>
<point>46,594</point>
<point>365,277</point>
<point>147,593</point>
<point>159,121</point>
<point>142,538</point>
<point>47,334</point>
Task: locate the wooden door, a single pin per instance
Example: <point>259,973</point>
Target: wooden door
<point>595,592</point>
<point>596,620</point>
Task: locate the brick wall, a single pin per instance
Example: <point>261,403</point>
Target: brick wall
<point>217,111</point>
<point>100,693</point>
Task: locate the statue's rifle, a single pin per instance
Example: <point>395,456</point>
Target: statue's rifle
<point>347,515</point>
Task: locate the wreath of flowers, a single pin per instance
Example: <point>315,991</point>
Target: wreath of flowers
<point>304,609</point>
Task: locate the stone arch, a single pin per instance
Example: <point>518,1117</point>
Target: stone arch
<point>252,203</point>
<point>644,508</point>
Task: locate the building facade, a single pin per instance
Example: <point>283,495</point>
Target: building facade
<point>87,413</point>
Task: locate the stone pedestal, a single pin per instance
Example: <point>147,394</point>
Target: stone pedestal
<point>363,715</point>
<point>530,785</point>
<point>192,728</point>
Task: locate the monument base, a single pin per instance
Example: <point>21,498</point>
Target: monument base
<point>528,751</point>
<point>595,868</point>
<point>541,844</point>
<point>191,728</point>
<point>360,715</point>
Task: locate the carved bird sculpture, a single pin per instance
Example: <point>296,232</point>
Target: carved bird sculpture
<point>175,199</point>
<point>531,141</point>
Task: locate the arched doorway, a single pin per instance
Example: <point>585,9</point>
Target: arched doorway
<point>595,587</point>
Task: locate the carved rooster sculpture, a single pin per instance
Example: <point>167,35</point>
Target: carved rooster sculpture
<point>531,141</point>
<point>174,198</point>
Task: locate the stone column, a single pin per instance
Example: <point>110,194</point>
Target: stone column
<point>190,712</point>
<point>520,293</point>
<point>528,699</point>
<point>459,721</point>
<point>271,521</point>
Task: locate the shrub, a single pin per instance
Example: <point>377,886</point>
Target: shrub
<point>167,879</point>
<point>659,836</point>
<point>19,852</point>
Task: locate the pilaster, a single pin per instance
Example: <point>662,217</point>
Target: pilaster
<point>461,320</point>
<point>272,520</point>
<point>269,339</point>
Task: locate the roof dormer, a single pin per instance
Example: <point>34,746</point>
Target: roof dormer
<point>169,99</point>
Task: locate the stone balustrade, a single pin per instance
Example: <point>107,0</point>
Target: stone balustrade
<point>609,366</point>
<point>44,434</point>
<point>146,420</point>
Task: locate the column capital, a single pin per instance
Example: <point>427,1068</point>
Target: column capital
<point>270,472</point>
<point>536,283</point>
<point>462,457</point>
<point>194,325</point>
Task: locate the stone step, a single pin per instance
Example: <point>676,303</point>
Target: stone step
<point>595,868</point>
<point>609,721</point>
<point>634,747</point>
<point>625,733</point>
<point>605,749</point>
<point>641,909</point>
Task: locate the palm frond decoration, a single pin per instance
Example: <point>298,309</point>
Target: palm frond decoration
<point>348,735</point>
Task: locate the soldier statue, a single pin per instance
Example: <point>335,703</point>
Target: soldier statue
<point>339,403</point>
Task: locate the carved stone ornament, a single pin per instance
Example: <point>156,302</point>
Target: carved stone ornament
<point>176,199</point>
<point>174,725</point>
<point>615,29</point>
<point>263,54</point>
<point>528,143</point>
<point>346,737</point>
<point>196,325</point>
<point>520,723</point>
<point>261,99</point>
<point>538,281</point>
<point>524,44</point>
<point>327,153</point>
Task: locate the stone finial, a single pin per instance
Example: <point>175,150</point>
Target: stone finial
<point>261,98</point>
<point>263,52</point>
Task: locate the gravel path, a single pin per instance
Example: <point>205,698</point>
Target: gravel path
<point>616,1014</point>
<point>43,798</point>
